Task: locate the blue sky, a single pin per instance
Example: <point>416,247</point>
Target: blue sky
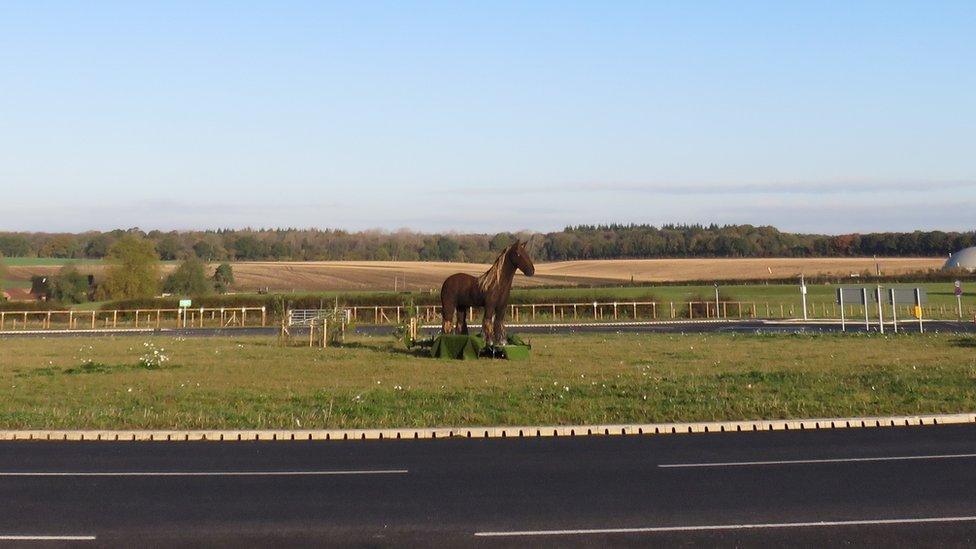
<point>476,116</point>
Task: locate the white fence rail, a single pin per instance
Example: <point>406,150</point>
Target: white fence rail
<point>200,317</point>
<point>228,317</point>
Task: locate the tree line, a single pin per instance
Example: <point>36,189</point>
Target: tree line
<point>571,243</point>
<point>133,272</point>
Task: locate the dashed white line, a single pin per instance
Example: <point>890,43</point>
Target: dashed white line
<point>706,527</point>
<point>812,461</point>
<point>197,473</point>
<point>5,537</point>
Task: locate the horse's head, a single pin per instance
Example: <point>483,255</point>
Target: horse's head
<point>519,257</point>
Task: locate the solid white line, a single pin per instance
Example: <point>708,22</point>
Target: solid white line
<point>45,538</point>
<point>725,527</point>
<point>811,461</point>
<point>196,473</point>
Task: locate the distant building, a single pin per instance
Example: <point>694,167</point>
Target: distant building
<point>963,259</point>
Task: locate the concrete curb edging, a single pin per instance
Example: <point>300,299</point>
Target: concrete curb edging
<point>488,432</point>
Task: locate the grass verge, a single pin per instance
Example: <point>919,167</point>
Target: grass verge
<point>68,383</point>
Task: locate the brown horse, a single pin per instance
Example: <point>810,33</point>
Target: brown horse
<point>461,291</point>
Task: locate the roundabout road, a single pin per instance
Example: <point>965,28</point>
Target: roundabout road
<point>894,486</point>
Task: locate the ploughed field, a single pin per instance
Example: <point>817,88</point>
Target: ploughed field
<point>252,382</point>
<point>417,275</point>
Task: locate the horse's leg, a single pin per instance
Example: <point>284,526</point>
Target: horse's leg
<point>462,316</point>
<point>499,328</point>
<point>447,312</point>
<point>486,324</point>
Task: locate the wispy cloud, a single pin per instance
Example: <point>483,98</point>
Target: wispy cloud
<point>852,186</point>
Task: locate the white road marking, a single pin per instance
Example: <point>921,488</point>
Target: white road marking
<point>4,537</point>
<point>811,461</point>
<point>706,527</point>
<point>197,473</point>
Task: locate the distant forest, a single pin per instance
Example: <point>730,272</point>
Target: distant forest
<point>579,242</point>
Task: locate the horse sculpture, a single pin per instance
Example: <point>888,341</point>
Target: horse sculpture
<point>462,291</point>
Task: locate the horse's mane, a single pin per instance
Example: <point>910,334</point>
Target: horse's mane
<point>493,275</point>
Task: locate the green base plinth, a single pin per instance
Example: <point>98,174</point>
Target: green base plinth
<point>463,347</point>
<point>469,347</point>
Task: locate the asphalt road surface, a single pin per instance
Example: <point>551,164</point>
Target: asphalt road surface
<point>737,326</point>
<point>882,487</point>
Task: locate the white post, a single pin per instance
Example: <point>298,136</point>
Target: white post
<point>803,294</point>
<point>864,299</point>
<point>717,314</point>
<point>843,325</point>
<point>894,309</point>
<point>880,309</point>
<point>959,305</point>
<point>918,304</point>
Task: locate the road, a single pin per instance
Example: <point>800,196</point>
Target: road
<point>738,326</point>
<point>883,487</point>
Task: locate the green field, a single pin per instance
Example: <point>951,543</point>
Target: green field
<point>15,284</point>
<point>772,300</point>
<point>47,261</point>
<point>615,378</point>
<point>820,298</point>
<point>938,292</point>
